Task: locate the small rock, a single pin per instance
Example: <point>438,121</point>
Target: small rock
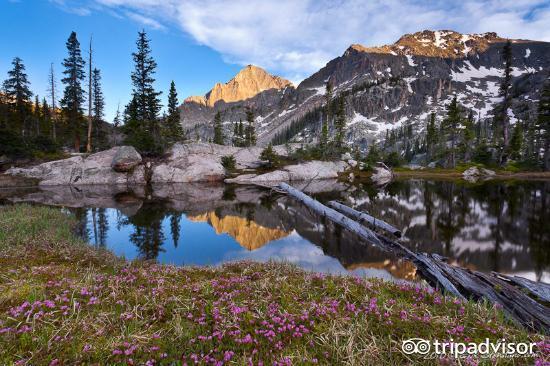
<point>381,176</point>
<point>346,156</point>
<point>126,159</point>
<point>473,174</point>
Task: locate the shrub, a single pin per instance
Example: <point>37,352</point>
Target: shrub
<point>229,162</point>
<point>393,159</point>
<point>269,155</point>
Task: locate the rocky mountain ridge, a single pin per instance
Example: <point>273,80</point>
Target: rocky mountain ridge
<point>389,87</point>
<point>250,81</point>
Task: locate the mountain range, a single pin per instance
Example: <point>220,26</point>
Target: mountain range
<point>385,88</point>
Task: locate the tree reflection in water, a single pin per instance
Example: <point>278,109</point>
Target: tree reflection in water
<point>491,226</point>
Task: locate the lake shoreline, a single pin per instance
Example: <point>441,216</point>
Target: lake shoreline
<point>457,174</point>
<point>114,311</point>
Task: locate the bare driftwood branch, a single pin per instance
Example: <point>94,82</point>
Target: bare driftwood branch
<point>364,217</point>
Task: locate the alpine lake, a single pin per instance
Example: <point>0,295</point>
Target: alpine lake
<point>496,225</point>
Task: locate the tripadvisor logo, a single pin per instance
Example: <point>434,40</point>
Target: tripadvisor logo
<point>500,348</point>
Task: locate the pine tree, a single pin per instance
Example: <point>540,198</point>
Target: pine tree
<point>468,135</point>
<point>143,132</point>
<point>18,95</point>
<point>235,134</point>
<point>451,124</point>
<point>90,99</point>
<point>98,102</point>
<point>117,119</point>
<point>543,123</point>
<point>173,131</point>
<point>73,95</point>
<point>46,116</point>
<point>269,155</point>
<point>516,143</point>
<point>98,106</point>
<point>250,138</point>
<point>340,124</point>
<point>324,138</point>
<point>218,129</point>
<point>501,117</point>
<point>241,134</point>
<point>36,110</point>
<point>431,137</point>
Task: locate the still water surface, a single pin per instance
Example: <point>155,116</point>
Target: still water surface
<point>493,226</point>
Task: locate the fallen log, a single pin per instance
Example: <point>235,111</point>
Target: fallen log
<point>332,215</point>
<point>463,283</point>
<point>476,285</point>
<point>364,217</point>
<point>536,289</point>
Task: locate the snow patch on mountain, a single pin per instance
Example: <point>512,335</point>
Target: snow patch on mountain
<point>410,60</point>
<point>469,72</point>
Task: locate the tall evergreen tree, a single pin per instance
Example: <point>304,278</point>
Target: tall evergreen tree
<point>250,139</point>
<point>143,131</point>
<point>235,139</point>
<point>46,118</point>
<point>516,143</point>
<point>502,121</point>
<point>98,102</point>
<point>451,125</point>
<point>468,135</point>
<point>431,137</point>
<point>173,131</point>
<point>324,138</point>
<point>340,124</point>
<point>543,123</point>
<point>73,95</point>
<point>98,107</point>
<point>36,112</point>
<point>218,129</point>
<point>90,99</point>
<point>18,95</point>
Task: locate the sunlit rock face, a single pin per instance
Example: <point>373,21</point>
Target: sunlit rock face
<point>247,233</point>
<point>247,83</point>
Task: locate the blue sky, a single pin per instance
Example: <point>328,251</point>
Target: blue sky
<point>37,31</point>
<point>200,42</point>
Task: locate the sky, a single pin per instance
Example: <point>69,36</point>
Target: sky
<point>197,43</point>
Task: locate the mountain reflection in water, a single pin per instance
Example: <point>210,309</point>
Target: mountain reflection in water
<point>494,226</point>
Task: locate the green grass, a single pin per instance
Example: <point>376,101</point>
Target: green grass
<point>64,302</point>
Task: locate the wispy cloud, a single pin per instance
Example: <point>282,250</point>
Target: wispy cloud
<point>144,20</point>
<point>73,7</point>
<point>296,37</point>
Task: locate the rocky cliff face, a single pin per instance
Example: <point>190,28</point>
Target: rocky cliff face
<point>246,84</point>
<point>389,86</point>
